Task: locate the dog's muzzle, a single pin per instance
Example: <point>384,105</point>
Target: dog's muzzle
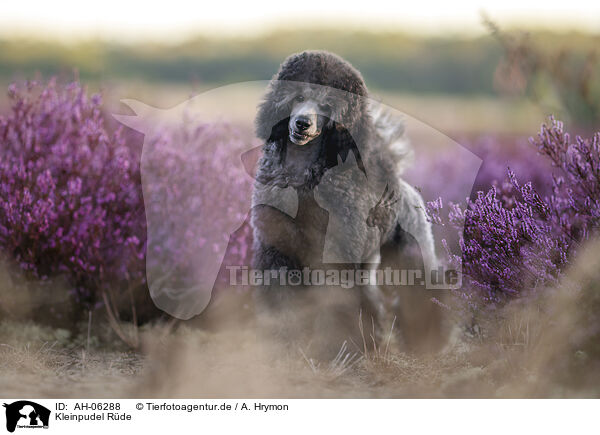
<point>302,130</point>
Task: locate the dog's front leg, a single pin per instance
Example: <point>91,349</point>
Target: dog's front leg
<point>276,229</point>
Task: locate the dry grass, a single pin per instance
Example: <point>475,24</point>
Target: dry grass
<point>44,362</point>
<point>544,347</point>
<point>193,363</point>
<point>37,362</point>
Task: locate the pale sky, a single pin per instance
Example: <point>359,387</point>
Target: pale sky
<point>174,20</point>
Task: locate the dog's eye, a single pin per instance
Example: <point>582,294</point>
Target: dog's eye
<point>299,98</point>
<point>325,107</point>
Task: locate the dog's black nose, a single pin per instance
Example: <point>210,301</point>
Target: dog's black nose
<point>303,124</point>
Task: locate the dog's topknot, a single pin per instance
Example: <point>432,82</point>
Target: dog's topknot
<point>322,68</point>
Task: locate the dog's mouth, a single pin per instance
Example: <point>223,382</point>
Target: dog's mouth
<point>300,138</point>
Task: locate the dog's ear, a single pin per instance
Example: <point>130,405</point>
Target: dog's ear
<point>357,119</point>
<point>266,116</point>
<point>273,112</point>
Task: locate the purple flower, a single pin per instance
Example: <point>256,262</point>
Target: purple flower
<point>71,198</point>
<point>515,240</point>
<point>59,162</point>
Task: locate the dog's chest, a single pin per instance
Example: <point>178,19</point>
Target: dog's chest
<point>299,160</point>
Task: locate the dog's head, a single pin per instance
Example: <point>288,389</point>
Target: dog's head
<point>313,92</point>
<point>311,111</point>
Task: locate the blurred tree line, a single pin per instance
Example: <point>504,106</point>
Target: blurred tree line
<point>560,71</point>
<point>391,61</point>
<point>563,76</point>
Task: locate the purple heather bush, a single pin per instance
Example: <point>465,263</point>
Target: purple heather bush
<point>71,200</point>
<point>499,153</point>
<point>196,197</point>
<point>514,240</point>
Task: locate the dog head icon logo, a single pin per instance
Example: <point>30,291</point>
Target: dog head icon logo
<point>26,414</point>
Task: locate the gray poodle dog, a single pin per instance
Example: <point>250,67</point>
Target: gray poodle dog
<point>328,195</point>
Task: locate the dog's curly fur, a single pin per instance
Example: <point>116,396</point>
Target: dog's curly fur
<point>369,136</point>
